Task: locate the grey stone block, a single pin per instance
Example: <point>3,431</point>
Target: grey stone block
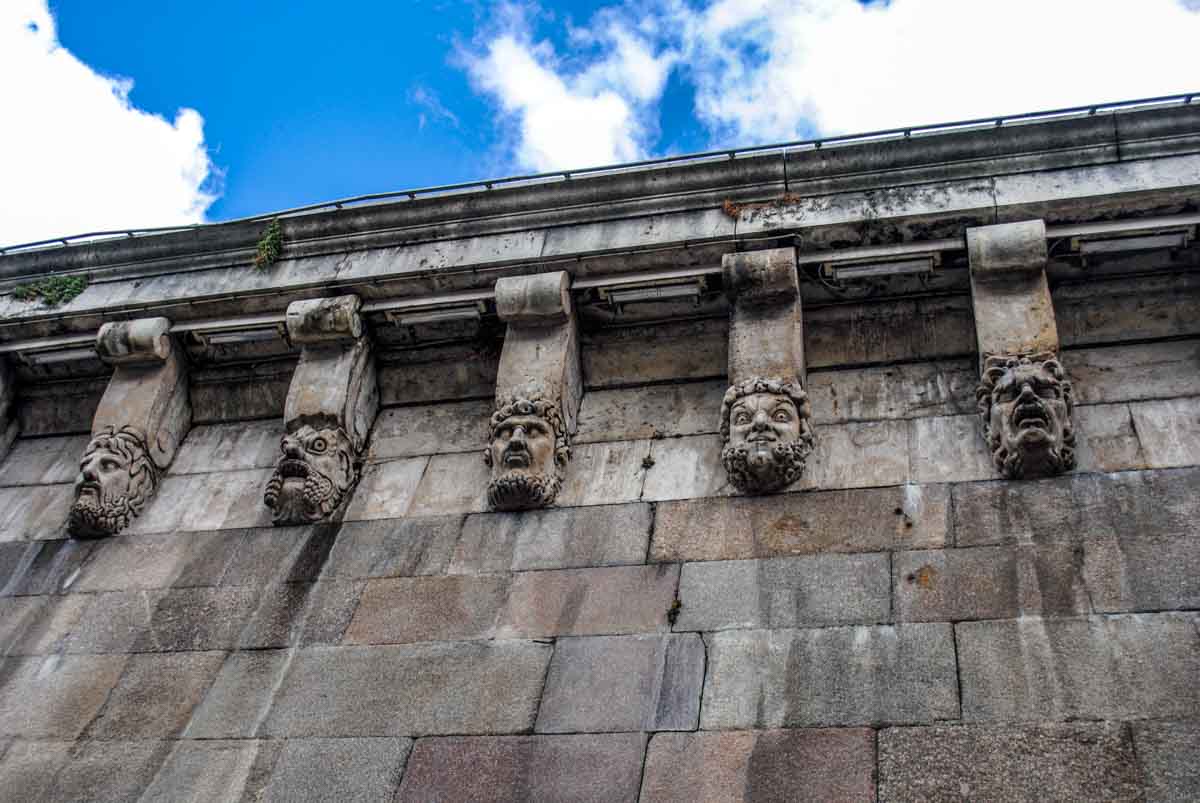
<point>604,474</point>
<point>109,622</point>
<point>1093,761</point>
<point>1124,506</point>
<point>204,772</point>
<point>155,695</point>
<point>240,697</point>
<point>54,697</point>
<point>405,610</point>
<point>292,614</point>
<point>890,330</point>
<point>785,592</point>
<point>197,619</point>
<point>1169,431</point>
<point>914,390</point>
<point>35,513</point>
<point>584,768</point>
<point>464,687</point>
<point>677,351</point>
<point>604,535</point>
<point>337,770</point>
<point>989,583</point>
<point>430,429</point>
<point>157,560</point>
<point>866,520</point>
<point>1106,439</point>
<point>761,766</point>
<point>686,468</point>
<point>583,602</point>
<point>623,683</point>
<point>1102,667</point>
<point>1169,754</point>
<point>1142,572</point>
<point>393,547</point>
<point>201,502</point>
<point>229,447</point>
<point>950,449</point>
<point>42,461</point>
<point>27,769</point>
<point>40,625</point>
<point>87,771</point>
<point>453,483</point>
<point>47,567</point>
<point>830,676</point>
<point>862,454</point>
<point>279,555</point>
<point>627,414</point>
<point>386,490</point>
<point>1120,372</point>
<point>18,617</point>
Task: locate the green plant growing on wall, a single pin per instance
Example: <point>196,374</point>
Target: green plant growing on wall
<point>269,246</point>
<point>51,291</point>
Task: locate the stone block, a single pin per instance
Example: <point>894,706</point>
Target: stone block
<point>858,455</point>
<point>266,555</point>
<point>429,429</point>
<point>47,567</point>
<point>1122,309</point>
<point>156,560</point>
<point>830,676</point>
<point>94,770</point>
<point>1075,507</point>
<point>1169,754</point>
<point>562,538</point>
<point>199,502</point>
<point>658,411</point>
<point>240,697</point>
<point>1120,372</point>
<point>204,772</point>
<point>453,483</point>
<point>680,351</point>
<point>197,619</point>
<point>989,583</point>
<point>463,688</point>
<point>337,770</point>
<point>229,447</point>
<point>888,330</point>
<point>785,592</point>
<point>42,461</point>
<point>1142,572</point>
<point>55,697</point>
<point>914,390</point>
<point>604,474</point>
<point>1106,439</point>
<point>583,768</point>
<point>623,683</point>
<point>155,695</point>
<point>39,625</point>
<point>686,468</point>
<point>1102,667</point>
<point>290,614</point>
<point>865,520</point>
<point>386,490</point>
<point>109,622</point>
<point>393,547</point>
<point>36,513</point>
<point>585,602</point>
<point>1169,431</point>
<point>1047,762</point>
<point>950,449</point>
<point>27,769</point>
<point>469,372</point>
<point>761,766</point>
<point>19,617</point>
<point>404,610</point>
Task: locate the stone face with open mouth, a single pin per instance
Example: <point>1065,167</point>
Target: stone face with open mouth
<point>767,434</point>
<point>1025,403</point>
<point>312,477</point>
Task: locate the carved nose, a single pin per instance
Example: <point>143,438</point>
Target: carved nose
<point>518,435</point>
<point>1027,392</point>
<point>291,447</point>
<point>89,472</point>
<point>760,420</point>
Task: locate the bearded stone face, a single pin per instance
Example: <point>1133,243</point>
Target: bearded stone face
<point>1026,408</point>
<point>115,479</point>
<point>312,477</point>
<point>767,435</point>
<point>526,454</point>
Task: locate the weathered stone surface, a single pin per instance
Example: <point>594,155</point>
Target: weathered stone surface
<point>89,770</point>
<point>410,690</point>
<point>623,683</point>
<point>387,489</point>
<point>1107,439</point>
<point>430,429</point>
<point>552,539</point>
<point>222,394</point>
<point>785,592</point>
<point>989,583</point>
<point>1169,754</point>
<point>100,623</point>
<point>220,501</point>
<point>196,772</point>
<point>40,512</point>
<point>1140,571</point>
<point>677,351</point>
<point>1113,310</point>
<point>595,768</point>
<point>268,555</point>
<point>323,320</point>
<point>914,390</point>
<point>342,770</point>
<point>866,520</point>
<point>1122,506</point>
<point>335,386</point>
<point>605,474</point>
<point>453,483</point>
<point>197,619</point>
<point>585,602</point>
<point>1110,667</point>
<point>1134,372</point>
<point>45,567</point>
<point>859,455</point>
<point>405,610</point>
<point>289,614</point>
<point>950,449</point>
<point>422,376</point>
<point>156,560</point>
<point>155,695</point>
<point>889,330</point>
<point>42,461</point>
<point>830,676</point>
<point>240,697</point>
<point>20,617</point>
<point>766,329</point>
<point>1013,310</point>
<point>685,468</point>
<point>625,414</point>
<point>1095,761</point>
<point>27,769</point>
<point>761,766</point>
<point>393,547</point>
<point>54,697</point>
<point>228,447</point>
<point>1168,431</point>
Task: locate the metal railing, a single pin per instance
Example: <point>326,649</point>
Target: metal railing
<point>567,175</point>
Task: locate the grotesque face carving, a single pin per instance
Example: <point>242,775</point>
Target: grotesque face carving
<point>765,426</point>
<point>527,452</point>
<point>116,477</point>
<point>312,477</point>
<point>1025,404</point>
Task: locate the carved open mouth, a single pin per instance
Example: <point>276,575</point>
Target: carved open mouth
<point>92,488</point>
<point>293,468</point>
<point>516,458</point>
<point>1031,416</point>
<point>762,437</point>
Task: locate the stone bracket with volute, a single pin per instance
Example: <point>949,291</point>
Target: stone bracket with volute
<point>331,404</point>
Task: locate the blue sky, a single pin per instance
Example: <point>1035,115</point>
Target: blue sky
<point>137,113</point>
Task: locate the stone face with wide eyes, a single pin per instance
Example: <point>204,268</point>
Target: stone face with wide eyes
<point>312,476</point>
<point>1025,404</point>
<point>767,434</point>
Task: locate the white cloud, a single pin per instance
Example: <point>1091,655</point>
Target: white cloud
<point>75,154</point>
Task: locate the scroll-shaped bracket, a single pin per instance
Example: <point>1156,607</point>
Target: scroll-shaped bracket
<point>331,404</point>
<point>143,416</point>
<point>1024,399</point>
<point>765,415</point>
<point>538,390</point>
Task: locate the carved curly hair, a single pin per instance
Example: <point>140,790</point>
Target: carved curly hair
<point>546,409</point>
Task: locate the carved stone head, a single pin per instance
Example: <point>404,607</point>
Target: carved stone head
<point>313,476</point>
<point>767,434</point>
<point>1025,403</point>
<point>528,448</point>
<point>116,477</point>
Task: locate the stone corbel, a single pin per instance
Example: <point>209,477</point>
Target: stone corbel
<point>1024,399</point>
<point>765,415</point>
<point>538,390</point>
<point>331,405</point>
<point>143,416</point>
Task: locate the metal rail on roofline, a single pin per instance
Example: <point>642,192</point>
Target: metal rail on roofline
<point>566,175</point>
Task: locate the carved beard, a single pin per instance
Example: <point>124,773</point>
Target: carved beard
<point>785,466</point>
<point>94,518</point>
<point>298,495</point>
<point>520,490</point>
<point>1032,457</point>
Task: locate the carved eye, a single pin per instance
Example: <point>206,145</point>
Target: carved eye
<point>1048,391</point>
<point>318,446</point>
<point>782,416</point>
<point>742,417</point>
<point>108,464</point>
